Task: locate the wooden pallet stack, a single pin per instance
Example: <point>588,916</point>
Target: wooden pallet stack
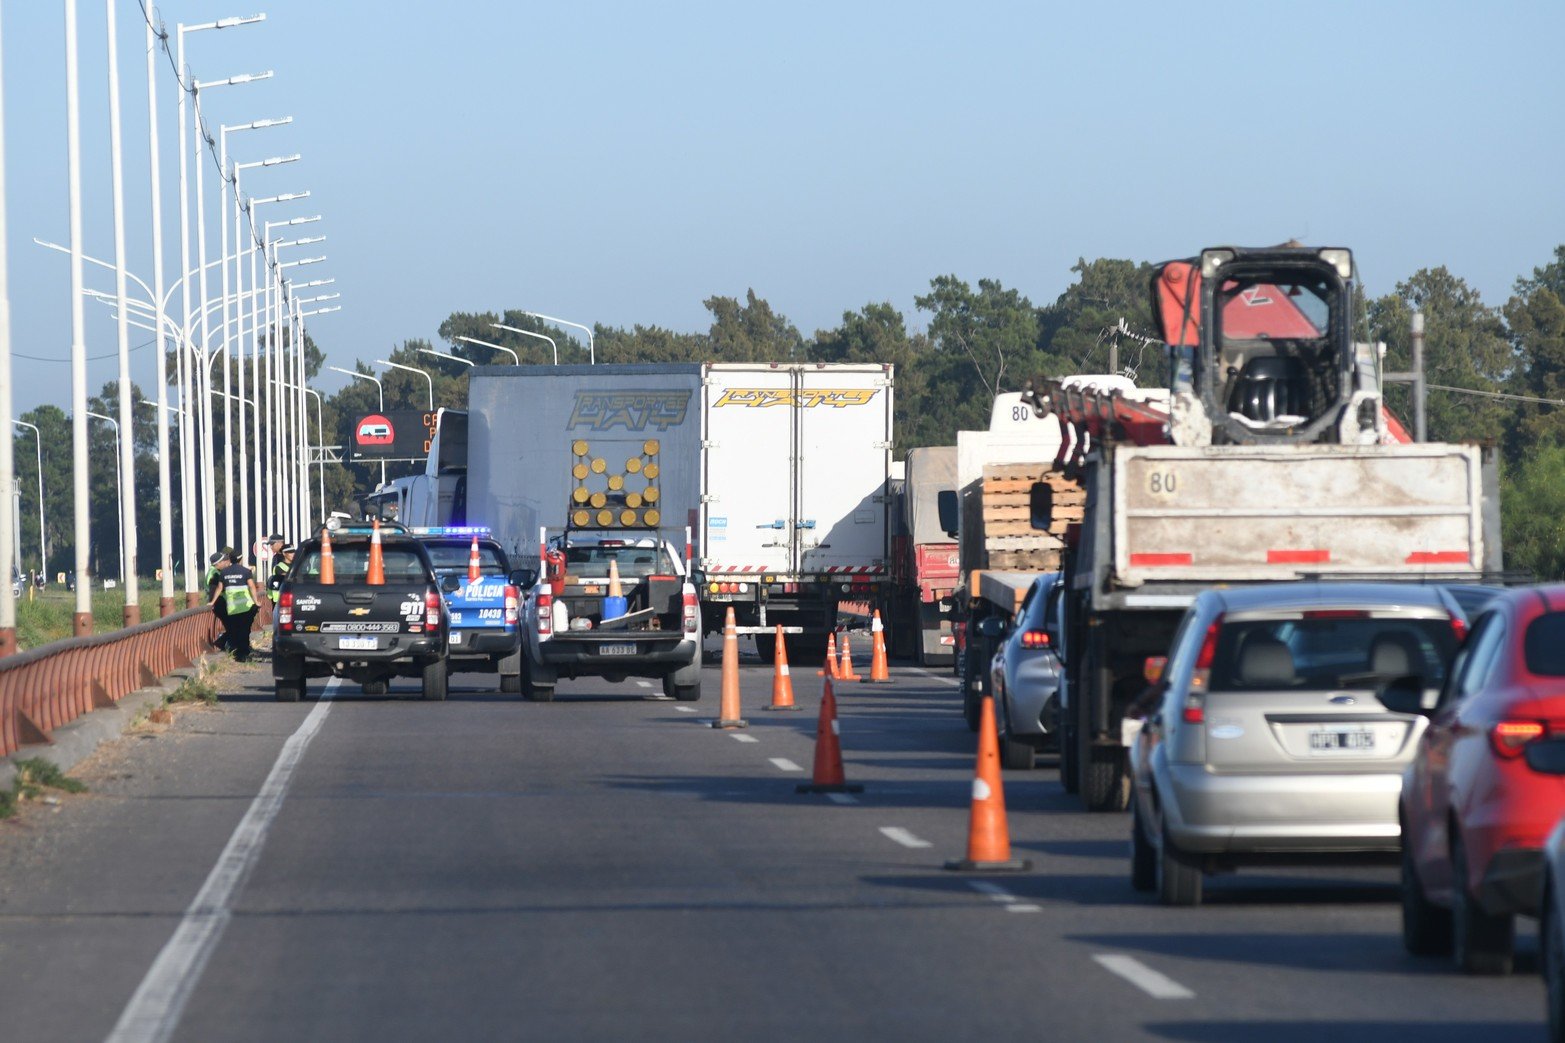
<point>1010,541</point>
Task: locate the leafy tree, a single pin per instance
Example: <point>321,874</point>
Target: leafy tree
<point>984,342</point>
<point>1532,509</point>
<point>877,334</point>
<point>1536,316</point>
<point>750,332</point>
<point>1072,329</point>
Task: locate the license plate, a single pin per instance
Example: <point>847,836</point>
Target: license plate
<point>1342,740</point>
<point>628,648</point>
<point>357,644</point>
<point>456,637</point>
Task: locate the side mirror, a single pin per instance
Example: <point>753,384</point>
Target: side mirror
<point>523,578</point>
<point>1546,757</point>
<point>947,507</point>
<point>1404,694</point>
<point>993,627</point>
<point>450,584</point>
<point>1153,668</point>
<point>1040,506</point>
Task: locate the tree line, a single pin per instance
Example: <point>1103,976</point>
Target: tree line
<point>1497,370</point>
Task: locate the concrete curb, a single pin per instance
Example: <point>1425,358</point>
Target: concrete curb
<point>75,742</point>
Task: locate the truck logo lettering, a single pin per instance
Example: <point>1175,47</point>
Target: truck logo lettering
<point>762,398</point>
<point>632,410</point>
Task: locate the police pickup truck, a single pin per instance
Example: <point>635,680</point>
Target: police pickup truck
<point>484,632</point>
<point>566,633</point>
<point>332,621</point>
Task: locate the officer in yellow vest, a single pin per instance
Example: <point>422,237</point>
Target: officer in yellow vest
<point>240,598</point>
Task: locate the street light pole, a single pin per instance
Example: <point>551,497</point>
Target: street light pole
<point>421,372</point>
<point>81,620</point>
<point>529,333</point>
<point>447,356</point>
<point>592,355</point>
<point>43,560</point>
<point>118,501</point>
<point>165,508</point>
<point>125,476</point>
<point>380,393</point>
<point>10,522</point>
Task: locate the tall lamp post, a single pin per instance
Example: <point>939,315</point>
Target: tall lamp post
<point>448,356</point>
<point>529,333</point>
<point>118,502</point>
<point>421,372</point>
<point>485,344</point>
<point>380,393</point>
<point>592,355</point>
<point>43,560</point>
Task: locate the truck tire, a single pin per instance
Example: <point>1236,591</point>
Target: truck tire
<point>1069,780</point>
<point>510,670</point>
<point>380,687</point>
<point>972,692</point>
<point>1101,776</point>
<point>766,647</point>
<point>289,691</point>
<point>685,693</point>
<point>1178,876</point>
<point>538,693</point>
<point>436,675</point>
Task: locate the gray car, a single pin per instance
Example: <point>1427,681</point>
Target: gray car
<point>1263,740</point>
<point>1026,676</point>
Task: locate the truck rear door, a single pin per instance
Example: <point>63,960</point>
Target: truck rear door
<point>749,510</point>
<point>844,452</point>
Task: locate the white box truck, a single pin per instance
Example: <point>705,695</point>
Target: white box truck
<point>779,471</point>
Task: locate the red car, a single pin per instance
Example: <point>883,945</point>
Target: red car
<point>1474,814</point>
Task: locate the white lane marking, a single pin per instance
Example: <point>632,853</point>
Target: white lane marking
<point>644,684</point>
<point>1024,907</point>
<point>784,764</point>
<point>1154,983</point>
<point>995,891</point>
<point>904,837</point>
<point>952,681</point>
<point>154,1010</point>
<point>742,737</point>
<point>841,798</point>
<point>685,709</point>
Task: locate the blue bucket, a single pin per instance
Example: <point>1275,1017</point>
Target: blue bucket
<point>613,608</point>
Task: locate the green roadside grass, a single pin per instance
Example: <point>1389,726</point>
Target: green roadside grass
<point>46,616</point>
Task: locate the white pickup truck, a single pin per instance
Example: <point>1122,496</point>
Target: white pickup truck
<point>566,634</point>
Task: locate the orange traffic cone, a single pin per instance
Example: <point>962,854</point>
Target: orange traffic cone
<point>375,572</point>
<point>845,668</point>
<point>879,672</point>
<point>830,669</point>
<point>782,683</point>
<point>988,838</point>
<point>828,776</point>
<point>728,709</point>
<point>475,568</point>
<point>328,565</point>
<point>616,590</point>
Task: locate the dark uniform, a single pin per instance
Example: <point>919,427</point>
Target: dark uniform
<point>238,599</point>
<point>214,583</point>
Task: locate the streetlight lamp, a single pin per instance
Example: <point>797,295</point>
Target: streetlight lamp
<point>421,372</point>
<point>592,355</point>
<point>263,239</point>
<point>290,356</point>
<point>497,347</point>
<point>43,561</point>
<point>530,333</point>
<point>117,500</point>
<point>444,355</point>
<point>379,391</point>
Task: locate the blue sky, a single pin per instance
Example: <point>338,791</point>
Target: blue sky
<point>618,163</point>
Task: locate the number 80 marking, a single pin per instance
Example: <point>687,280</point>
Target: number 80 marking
<point>1162,483</point>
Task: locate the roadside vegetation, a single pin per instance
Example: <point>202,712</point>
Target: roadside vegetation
<point>46,616</point>
<point>34,778</point>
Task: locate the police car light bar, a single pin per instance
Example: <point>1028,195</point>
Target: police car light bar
<point>451,530</point>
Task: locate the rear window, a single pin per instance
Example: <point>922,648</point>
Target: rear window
<point>351,564</point>
<point>1544,645</point>
<point>1326,654</point>
<point>452,555</point>
<point>593,560</point>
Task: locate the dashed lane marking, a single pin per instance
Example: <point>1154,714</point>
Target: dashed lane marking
<point>841,798</point>
<point>1154,983</point>
<point>685,709</point>
<point>904,837</point>
<point>644,684</point>
<point>952,681</point>
<point>742,737</point>
<point>784,764</point>
<point>154,1011</point>
<point>1001,895</point>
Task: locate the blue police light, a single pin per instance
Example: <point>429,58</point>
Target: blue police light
<point>451,530</point>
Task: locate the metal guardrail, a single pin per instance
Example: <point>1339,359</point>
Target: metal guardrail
<point>50,686</point>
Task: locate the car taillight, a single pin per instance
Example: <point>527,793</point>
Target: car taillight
<point>1459,628</point>
<point>545,614</point>
<point>431,608</point>
<point>689,613</point>
<point>285,610</point>
<point>1035,639</point>
<point>1194,711</point>
<point>1509,738</point>
<point>512,597</point>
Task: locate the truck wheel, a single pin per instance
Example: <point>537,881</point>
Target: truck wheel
<point>766,647</point>
<point>510,670</point>
<point>1178,877</point>
<point>436,675</point>
<point>1069,780</point>
<point>289,691</point>
<point>1101,775</point>
<point>375,687</point>
<point>510,683</point>
<point>972,694</point>
<point>685,693</point>
<point>1143,855</point>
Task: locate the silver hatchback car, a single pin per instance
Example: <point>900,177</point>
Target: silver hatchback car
<point>1262,738</point>
<point>1027,677</point>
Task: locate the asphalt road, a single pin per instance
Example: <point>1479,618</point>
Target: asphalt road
<point>607,866</point>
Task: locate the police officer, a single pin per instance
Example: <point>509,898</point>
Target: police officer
<point>282,561</point>
<point>214,584</point>
<point>241,598</point>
